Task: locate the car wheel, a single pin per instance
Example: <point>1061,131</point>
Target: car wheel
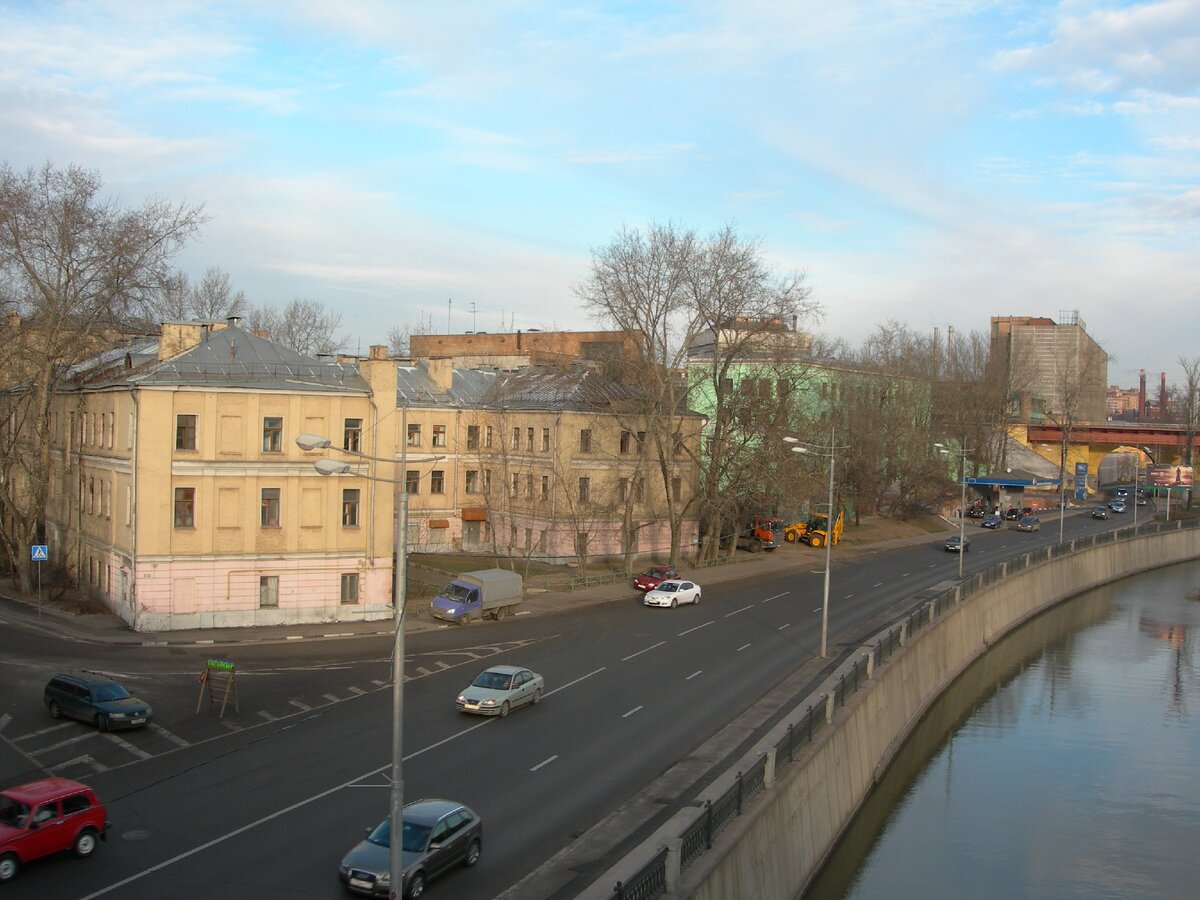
<point>416,886</point>
<point>464,619</point>
<point>697,600</point>
<point>504,709</point>
<point>472,854</point>
<point>101,723</point>
<point>674,602</point>
<point>9,866</point>
<point>85,843</point>
<point>816,542</point>
<point>537,697</point>
<point>55,710</point>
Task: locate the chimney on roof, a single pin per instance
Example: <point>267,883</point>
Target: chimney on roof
<point>1141,410</point>
<point>178,337</point>
<point>441,370</point>
<point>377,351</point>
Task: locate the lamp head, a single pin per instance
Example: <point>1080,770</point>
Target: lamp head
<point>331,467</point>
<point>312,442</point>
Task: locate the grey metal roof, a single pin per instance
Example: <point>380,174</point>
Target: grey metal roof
<point>226,357</point>
<point>513,390</point>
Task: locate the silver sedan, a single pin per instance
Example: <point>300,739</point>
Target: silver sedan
<point>672,593</point>
<point>500,689</point>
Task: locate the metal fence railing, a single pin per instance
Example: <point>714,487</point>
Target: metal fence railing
<point>714,815</point>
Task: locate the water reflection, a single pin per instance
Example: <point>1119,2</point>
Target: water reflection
<point>1061,765</point>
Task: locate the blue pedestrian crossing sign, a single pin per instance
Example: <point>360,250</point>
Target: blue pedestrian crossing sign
<point>40,553</point>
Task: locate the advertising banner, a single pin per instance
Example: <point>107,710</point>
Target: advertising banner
<point>1081,470</point>
<point>1169,477</point>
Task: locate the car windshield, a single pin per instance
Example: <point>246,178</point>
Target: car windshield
<point>658,573</point>
<point>456,592</point>
<point>493,681</point>
<point>669,587</point>
<point>106,692</point>
<point>13,812</point>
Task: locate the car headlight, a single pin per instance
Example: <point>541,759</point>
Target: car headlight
<point>116,715</point>
<point>383,878</point>
<point>460,699</point>
<point>149,711</point>
<point>488,703</point>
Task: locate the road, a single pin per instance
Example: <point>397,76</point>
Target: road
<point>264,801</point>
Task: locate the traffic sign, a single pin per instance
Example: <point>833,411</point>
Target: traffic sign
<point>41,553</point>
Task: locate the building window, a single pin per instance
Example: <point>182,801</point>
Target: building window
<point>268,591</point>
<point>529,439</point>
<point>585,489</point>
<point>352,436</point>
<point>412,481</point>
<point>545,487</point>
<point>472,437</point>
<point>273,434</point>
<point>529,486</point>
<point>639,490</point>
<point>585,440</point>
<point>487,437</point>
<point>512,536</point>
<point>349,587</point>
<point>439,435</point>
<point>185,507</point>
<point>185,432</point>
<point>516,439</point>
<point>414,435</point>
<point>541,544</point>
<point>515,487</point>
<point>545,440</point>
<point>622,489</point>
<point>350,508</point>
<point>269,513</point>
<point>528,539</point>
<point>641,440</point>
<point>472,481</point>
<point>626,437</point>
<point>676,488</point>
<point>437,482</point>
<point>487,480</point>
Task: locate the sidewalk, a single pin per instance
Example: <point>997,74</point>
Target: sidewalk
<point>111,629</point>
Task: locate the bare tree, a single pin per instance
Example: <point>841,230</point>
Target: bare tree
<point>305,326</point>
<point>1189,407</point>
<point>215,298</point>
<point>665,287</point>
<point>75,267</point>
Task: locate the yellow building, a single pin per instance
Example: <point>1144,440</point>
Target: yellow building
<point>180,497</point>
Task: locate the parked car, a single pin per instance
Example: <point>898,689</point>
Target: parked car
<point>992,521</point>
<point>438,835</point>
<point>45,817</point>
<point>1011,515</point>
<point>957,544</point>
<point>653,576</point>
<point>672,593</point>
<point>497,690</point>
<point>1029,523</point>
<point>1117,506</point>
<point>95,698</point>
<point>976,512</point>
<point>1100,512</point>
<point>1141,500</point>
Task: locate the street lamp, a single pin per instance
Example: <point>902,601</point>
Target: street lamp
<point>802,447</point>
<point>399,582</point>
<point>962,508</point>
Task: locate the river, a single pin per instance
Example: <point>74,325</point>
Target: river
<point>1064,764</point>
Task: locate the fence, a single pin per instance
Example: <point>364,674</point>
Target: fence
<point>651,880</point>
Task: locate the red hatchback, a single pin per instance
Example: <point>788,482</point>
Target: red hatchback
<point>45,817</point>
<point>653,577</point>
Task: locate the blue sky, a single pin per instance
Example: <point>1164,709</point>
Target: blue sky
<point>933,162</point>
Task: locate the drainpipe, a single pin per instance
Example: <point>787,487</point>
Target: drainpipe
<point>133,518</point>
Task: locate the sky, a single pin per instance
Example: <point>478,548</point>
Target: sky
<point>452,167</point>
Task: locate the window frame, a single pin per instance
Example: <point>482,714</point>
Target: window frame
<point>187,496</point>
<point>272,434</point>
<point>270,507</point>
<point>184,431</point>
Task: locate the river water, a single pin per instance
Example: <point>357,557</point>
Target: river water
<point>1065,764</point>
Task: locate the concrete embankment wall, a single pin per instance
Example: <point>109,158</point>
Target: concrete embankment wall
<point>779,842</point>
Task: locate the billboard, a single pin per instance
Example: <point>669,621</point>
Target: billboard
<point>1169,476</point>
<point>1081,470</point>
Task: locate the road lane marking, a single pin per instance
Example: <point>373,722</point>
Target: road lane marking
<point>879,584</point>
<point>303,707</point>
<point>125,745</point>
<point>775,597</point>
<point>697,628</point>
<point>173,738</point>
<point>784,625</point>
<point>640,652</point>
<point>79,761</point>
<point>266,715</point>
<point>42,731</point>
<point>906,574</point>
<point>736,611</point>
<point>741,648</point>
<point>631,712</point>
<point>576,681</point>
<point>332,698</point>
<point>4,720</point>
<point>847,596</point>
<point>694,674</point>
<point>544,762</point>
<point>67,742</point>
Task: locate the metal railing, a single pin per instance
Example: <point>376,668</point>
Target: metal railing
<point>714,815</point>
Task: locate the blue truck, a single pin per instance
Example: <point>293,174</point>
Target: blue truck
<point>494,593</point>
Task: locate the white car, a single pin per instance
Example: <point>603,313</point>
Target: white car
<point>672,593</point>
<point>499,689</point>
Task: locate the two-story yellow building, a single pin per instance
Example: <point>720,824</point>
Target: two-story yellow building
<point>181,498</point>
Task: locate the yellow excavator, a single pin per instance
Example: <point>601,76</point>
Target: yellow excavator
<point>815,532</point>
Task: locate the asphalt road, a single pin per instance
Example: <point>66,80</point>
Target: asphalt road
<point>264,801</point>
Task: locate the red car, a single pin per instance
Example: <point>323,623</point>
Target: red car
<point>45,817</point>
<point>653,576</point>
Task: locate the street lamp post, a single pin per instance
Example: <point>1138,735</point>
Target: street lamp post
<point>801,447</point>
<point>399,583</point>
<point>962,506</point>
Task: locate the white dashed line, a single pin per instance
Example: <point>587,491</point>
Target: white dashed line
<point>879,584</point>
<point>173,738</point>
<point>125,745</point>
<point>640,652</point>
<point>775,597</point>
<point>544,762</point>
<point>694,674</point>
<point>784,625</point>
<point>697,628</point>
<point>741,648</point>
<point>736,611</point>
<point>332,698</point>
<point>266,715</point>
<point>631,712</point>
<point>576,681</point>
<point>303,707</point>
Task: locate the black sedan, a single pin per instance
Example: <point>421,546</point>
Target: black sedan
<point>957,544</point>
<point>992,521</point>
